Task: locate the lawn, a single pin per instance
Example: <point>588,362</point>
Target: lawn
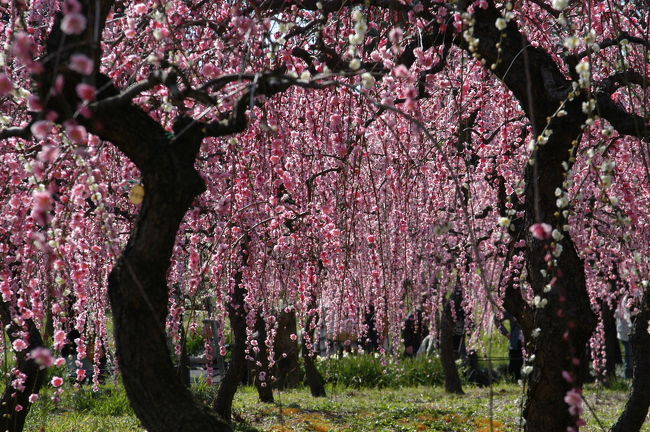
<point>345,409</point>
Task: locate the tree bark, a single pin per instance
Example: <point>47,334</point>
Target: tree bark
<point>10,419</point>
<point>184,360</point>
<point>314,378</point>
<point>260,366</point>
<point>237,368</point>
<point>636,408</point>
<point>139,294</point>
<point>448,352</point>
<point>613,355</point>
<point>286,368</point>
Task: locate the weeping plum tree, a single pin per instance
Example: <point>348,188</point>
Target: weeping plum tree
<point>352,146</point>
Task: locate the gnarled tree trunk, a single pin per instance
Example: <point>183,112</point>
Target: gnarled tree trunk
<point>139,294</point>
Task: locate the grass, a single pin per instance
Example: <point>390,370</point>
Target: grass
<point>416,408</point>
<point>84,410</point>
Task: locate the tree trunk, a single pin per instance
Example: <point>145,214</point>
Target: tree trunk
<point>314,379</point>
<point>448,352</point>
<point>184,360</point>
<point>12,420</point>
<point>567,322</point>
<point>237,368</point>
<point>287,371</point>
<point>139,295</point>
<point>260,366</point>
<point>613,355</point>
<point>636,408</point>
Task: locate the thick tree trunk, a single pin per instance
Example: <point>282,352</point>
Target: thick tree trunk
<point>12,420</point>
<point>314,379</point>
<point>448,352</point>
<point>636,408</point>
<point>260,370</point>
<point>567,322</point>
<point>287,371</point>
<point>237,368</point>
<point>139,296</point>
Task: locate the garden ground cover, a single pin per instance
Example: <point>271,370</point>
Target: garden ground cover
<point>345,409</point>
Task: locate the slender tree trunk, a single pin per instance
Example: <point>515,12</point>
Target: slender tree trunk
<point>260,367</point>
<point>448,353</point>
<point>314,378</point>
<point>237,368</point>
<point>613,355</point>
<point>184,359</point>
<point>12,420</point>
<point>636,408</point>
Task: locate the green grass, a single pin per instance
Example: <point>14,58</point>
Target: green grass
<point>84,410</point>
<point>417,408</point>
<point>368,371</point>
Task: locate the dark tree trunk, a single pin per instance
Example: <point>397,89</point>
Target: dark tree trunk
<point>448,352</point>
<point>636,408</point>
<point>567,322</point>
<point>287,371</point>
<point>137,286</point>
<point>10,419</point>
<point>314,379</point>
<point>139,294</point>
<point>184,360</point>
<point>260,364</point>
<point>237,368</point>
<point>613,355</point>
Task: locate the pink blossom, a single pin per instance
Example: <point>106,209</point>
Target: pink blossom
<point>42,356</point>
<point>541,231</point>
<point>19,345</point>
<point>86,92</point>
<point>33,398</point>
<point>82,64</point>
<point>42,200</point>
<point>18,407</point>
<point>73,23</point>
<point>81,374</point>
<point>57,381</point>
<point>6,86</point>
<point>568,376</point>
<point>60,361</point>
<point>573,398</point>
<point>34,103</point>
<point>293,337</point>
<point>395,35</point>
<point>210,70</point>
<point>140,8</point>
<point>41,129</point>
<point>77,134</point>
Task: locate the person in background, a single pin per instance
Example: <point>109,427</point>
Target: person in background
<point>623,328</point>
<point>414,332</point>
<point>515,344</point>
